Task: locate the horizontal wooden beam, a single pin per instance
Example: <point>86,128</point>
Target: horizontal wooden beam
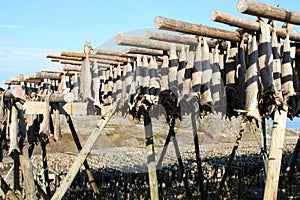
<point>180,39</point>
<point>99,61</point>
<point>144,51</point>
<point>45,75</point>
<point>70,62</point>
<point>248,24</point>
<point>58,71</point>
<point>194,29</point>
<point>106,57</point>
<point>114,53</point>
<point>64,57</point>
<point>73,54</point>
<point>270,12</point>
<point>137,41</point>
<point>71,68</point>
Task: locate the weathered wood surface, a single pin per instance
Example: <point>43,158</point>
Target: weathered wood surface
<point>114,53</point>
<point>275,155</point>
<point>73,108</point>
<point>64,57</point>
<point>67,181</point>
<point>106,57</point>
<point>71,68</point>
<point>85,163</point>
<point>102,61</point>
<point>57,71</point>
<point>144,51</point>
<point>70,62</point>
<point>192,41</point>
<point>73,54</point>
<point>45,75</point>
<point>269,12</point>
<point>137,41</point>
<point>195,29</point>
<point>248,24</point>
<point>25,162</point>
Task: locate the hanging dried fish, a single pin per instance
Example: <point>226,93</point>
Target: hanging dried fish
<point>146,76</point>
<point>128,87</point>
<point>206,74</point>
<point>240,75</point>
<point>186,91</point>
<point>216,82</point>
<point>230,65</point>
<point>276,65</point>
<point>197,72</point>
<point>251,103</point>
<point>139,75</point>
<point>110,85</point>
<point>265,63</point>
<point>181,69</point>
<point>118,83</point>
<point>165,74</point>
<point>173,67</point>
<point>287,71</point>
<point>102,80</point>
<point>14,131</point>
<point>153,85</point>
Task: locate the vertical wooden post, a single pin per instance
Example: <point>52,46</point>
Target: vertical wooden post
<point>150,156</point>
<point>85,163</point>
<point>26,165</point>
<point>7,190</point>
<point>66,183</point>
<point>276,148</point>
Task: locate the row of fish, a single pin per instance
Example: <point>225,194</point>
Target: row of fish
<point>254,77</point>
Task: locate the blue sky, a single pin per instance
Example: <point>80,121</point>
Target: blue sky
<point>31,29</point>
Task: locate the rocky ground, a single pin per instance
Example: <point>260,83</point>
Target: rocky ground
<point>119,155</point>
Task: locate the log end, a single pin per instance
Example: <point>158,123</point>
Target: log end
<point>119,38</point>
<point>214,15</point>
<point>242,5</point>
<point>158,21</point>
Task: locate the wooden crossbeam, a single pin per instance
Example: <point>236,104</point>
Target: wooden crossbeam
<point>249,25</point>
<point>144,51</point>
<point>67,181</point>
<point>270,12</point>
<point>137,41</point>
<point>195,29</point>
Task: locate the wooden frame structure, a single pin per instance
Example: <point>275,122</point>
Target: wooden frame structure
<point>62,86</point>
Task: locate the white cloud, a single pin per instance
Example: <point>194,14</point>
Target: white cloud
<point>10,26</point>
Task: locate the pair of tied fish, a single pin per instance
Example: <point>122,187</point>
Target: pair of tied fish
<point>269,80</point>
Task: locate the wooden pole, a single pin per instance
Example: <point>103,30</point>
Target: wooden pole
<point>46,75</point>
<point>73,54</point>
<point>270,12</point>
<point>64,57</point>
<point>275,155</point>
<point>114,53</point>
<point>71,68</point>
<point>61,98</point>
<point>65,184</point>
<point>102,61</point>
<point>85,163</point>
<point>26,165</point>
<point>144,51</point>
<point>7,190</point>
<point>249,25</point>
<point>192,41</point>
<point>70,62</point>
<point>150,156</point>
<point>137,41</point>
<point>195,29</point>
<point>106,57</point>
